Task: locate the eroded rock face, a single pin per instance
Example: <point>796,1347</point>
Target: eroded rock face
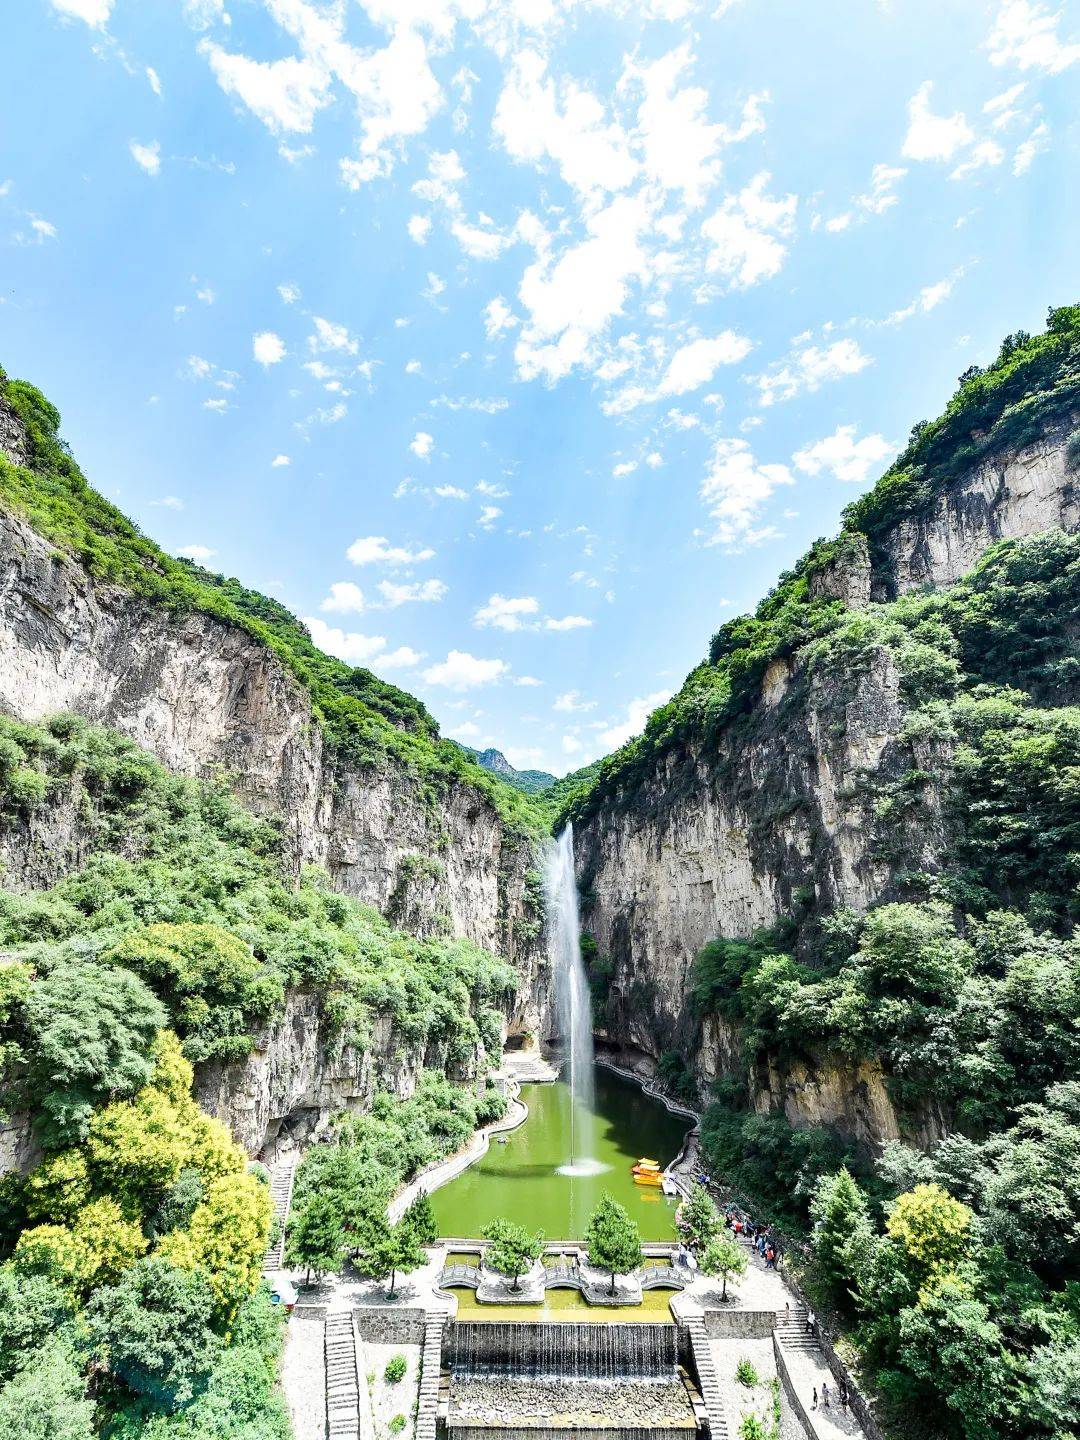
<point>780,811</point>
<point>13,444</point>
<point>1010,495</point>
<point>205,697</point>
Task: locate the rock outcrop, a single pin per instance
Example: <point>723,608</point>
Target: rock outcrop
<point>781,812</point>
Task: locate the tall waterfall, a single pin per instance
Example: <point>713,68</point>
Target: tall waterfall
<point>574,1007</point>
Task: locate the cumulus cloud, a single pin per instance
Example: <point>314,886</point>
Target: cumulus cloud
<point>419,228</point>
<point>1025,34</point>
<point>637,712</point>
<point>198,553</point>
<point>567,622</point>
<point>421,592</point>
<point>279,462</point>
<point>328,336</point>
<point>747,233</point>
<point>147,157</point>
<point>735,490</point>
<point>840,454</point>
<point>505,612</point>
<point>344,598</point>
<point>695,364</point>
<point>930,136</point>
<point>377,550</point>
<point>95,12</point>
<point>810,367</point>
<point>462,671</point>
<point>498,317</point>
<point>571,701</point>
<point>421,445</point>
<point>267,348</point>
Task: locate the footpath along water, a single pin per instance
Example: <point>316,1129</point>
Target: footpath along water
<point>524,1180</point>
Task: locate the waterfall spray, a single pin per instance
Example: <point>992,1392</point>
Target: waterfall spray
<point>572,1000</point>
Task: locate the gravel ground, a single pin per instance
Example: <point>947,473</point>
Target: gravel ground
<point>303,1378</point>
<point>390,1400</point>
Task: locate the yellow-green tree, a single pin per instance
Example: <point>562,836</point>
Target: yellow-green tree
<point>933,1231</point>
<point>225,1239</point>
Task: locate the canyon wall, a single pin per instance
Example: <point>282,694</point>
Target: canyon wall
<point>780,813</point>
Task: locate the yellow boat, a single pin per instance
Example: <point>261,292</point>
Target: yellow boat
<point>647,1172</point>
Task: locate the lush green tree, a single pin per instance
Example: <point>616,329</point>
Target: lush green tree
<point>420,1218</point>
<point>511,1249</point>
<point>314,1237</point>
<point>933,1230</point>
<point>177,1205</point>
<point>394,1250</point>
<point>91,1028</point>
<point>698,1220</point>
<point>226,1239</point>
<point>613,1241</point>
<point>841,1218</point>
<point>151,1331</point>
<point>724,1258</point>
<point>32,1309</point>
<point>47,1400</point>
<point>91,1252</point>
<point>954,1350</point>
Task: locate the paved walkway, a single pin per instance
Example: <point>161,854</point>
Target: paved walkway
<point>808,1370</point>
<point>282,1177</point>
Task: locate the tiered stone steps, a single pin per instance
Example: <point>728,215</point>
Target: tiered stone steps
<point>281,1188</point>
<point>342,1378</point>
<point>430,1372</point>
<point>792,1334</point>
<point>707,1378</point>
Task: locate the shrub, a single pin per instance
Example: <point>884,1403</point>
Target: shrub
<point>745,1373</point>
<point>395,1369</point>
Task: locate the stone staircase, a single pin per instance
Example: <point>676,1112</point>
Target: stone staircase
<point>342,1377</point>
<point>792,1334</point>
<point>707,1378</point>
<point>430,1373</point>
<point>281,1188</point>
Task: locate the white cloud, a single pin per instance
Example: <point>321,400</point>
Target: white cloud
<point>571,701</point>
<point>637,712</point>
<point>376,550</point>
<point>95,12</point>
<point>403,658</point>
<point>482,242</point>
<point>930,136</point>
<point>421,592</point>
<point>462,671</point>
<point>169,502</point>
<point>534,119</point>
<point>40,231</point>
<point>679,145</point>
<point>153,79</point>
<point>1025,34</point>
<point>528,681</point>
<point>842,455</point>
<point>279,462</point>
<point>488,515</point>
<point>523,757</point>
<point>268,348</point>
<point>746,233</point>
<point>147,157</point>
<point>928,298</point>
<point>734,490</point>
<point>654,460</point>
<point>498,317</point>
<point>196,552</point>
<point>625,467</point>
<point>568,622</point>
<point>809,368</point>
<point>881,195</point>
<point>450,492</point>
<point>1026,151</point>
<point>467,730</point>
<point>695,364</point>
<point>413,367</point>
<point>289,293</point>
<point>419,228</point>
<point>345,598</point>
<point>284,94</point>
<point>572,300</point>
<point>571,744</point>
<point>347,645</point>
<point>986,152</point>
<point>421,445</point>
<point>329,336</point>
<point>507,612</point>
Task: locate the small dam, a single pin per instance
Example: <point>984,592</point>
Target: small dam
<point>508,1380</point>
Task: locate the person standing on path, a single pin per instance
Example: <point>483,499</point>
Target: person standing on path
<point>825,1395</point>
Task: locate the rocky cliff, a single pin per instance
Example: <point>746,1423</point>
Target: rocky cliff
<point>797,805</point>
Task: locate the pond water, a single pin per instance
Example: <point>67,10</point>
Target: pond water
<point>521,1180</point>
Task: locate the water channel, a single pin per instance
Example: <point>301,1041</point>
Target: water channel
<point>526,1179</point>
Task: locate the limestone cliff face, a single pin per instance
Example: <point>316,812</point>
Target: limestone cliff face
<point>782,811</point>
<point>204,697</point>
<point>1009,495</point>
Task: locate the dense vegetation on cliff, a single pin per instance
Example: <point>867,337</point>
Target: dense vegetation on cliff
<point>136,1242</point>
<point>366,721</point>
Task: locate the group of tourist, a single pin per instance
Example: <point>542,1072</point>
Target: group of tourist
<point>841,1392</point>
<point>760,1238</point>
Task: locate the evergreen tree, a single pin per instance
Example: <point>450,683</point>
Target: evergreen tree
<point>841,1219</point>
<point>392,1251</point>
<point>314,1237</point>
<point>724,1258</point>
<point>512,1249</point>
<point>613,1239</point>
<point>698,1219</point>
<point>420,1218</point>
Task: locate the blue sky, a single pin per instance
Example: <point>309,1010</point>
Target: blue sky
<point>517,344</point>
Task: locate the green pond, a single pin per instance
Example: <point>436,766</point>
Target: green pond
<point>520,1180</point>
